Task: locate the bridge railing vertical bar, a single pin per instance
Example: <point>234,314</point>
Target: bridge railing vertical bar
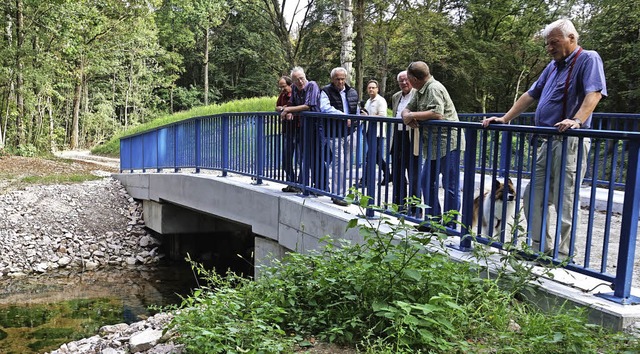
<point>260,150</point>
<point>370,165</point>
<point>468,184</point>
<point>628,230</point>
<point>225,144</point>
<point>197,137</point>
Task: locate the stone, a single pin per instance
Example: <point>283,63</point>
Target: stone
<point>144,340</point>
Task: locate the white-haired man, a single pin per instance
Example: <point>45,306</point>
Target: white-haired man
<point>567,91</point>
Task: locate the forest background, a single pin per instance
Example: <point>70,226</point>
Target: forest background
<point>75,72</point>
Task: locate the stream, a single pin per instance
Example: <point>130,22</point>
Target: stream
<point>38,313</point>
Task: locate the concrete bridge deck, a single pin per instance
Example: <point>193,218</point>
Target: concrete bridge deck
<point>284,222</point>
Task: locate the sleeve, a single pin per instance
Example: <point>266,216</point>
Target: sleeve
<point>325,105</point>
<point>382,107</point>
<point>436,100</point>
<point>313,95</point>
<point>535,90</point>
<point>593,75</point>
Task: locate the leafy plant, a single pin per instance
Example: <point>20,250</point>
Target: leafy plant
<point>397,292</point>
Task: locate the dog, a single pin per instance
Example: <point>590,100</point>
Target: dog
<point>499,195</point>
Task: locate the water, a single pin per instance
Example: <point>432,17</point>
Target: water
<point>39,313</point>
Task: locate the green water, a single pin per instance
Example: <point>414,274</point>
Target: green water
<point>38,314</point>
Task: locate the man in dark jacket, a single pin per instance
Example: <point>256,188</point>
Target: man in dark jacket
<point>339,98</point>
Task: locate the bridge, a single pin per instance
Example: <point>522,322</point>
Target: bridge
<point>230,166</point>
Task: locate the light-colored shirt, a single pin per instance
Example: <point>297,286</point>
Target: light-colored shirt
<point>377,106</point>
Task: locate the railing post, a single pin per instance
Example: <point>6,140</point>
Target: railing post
<point>143,168</point>
<point>158,151</point>
<point>628,231</point>
<point>260,148</point>
<point>468,186</point>
<point>504,154</point>
<point>225,145</point>
<point>370,164</point>
<point>308,128</point>
<point>198,138</point>
<point>175,148</point>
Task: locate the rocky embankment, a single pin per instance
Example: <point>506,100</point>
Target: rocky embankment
<point>81,227</point>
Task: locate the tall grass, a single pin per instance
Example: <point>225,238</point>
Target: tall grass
<point>257,104</point>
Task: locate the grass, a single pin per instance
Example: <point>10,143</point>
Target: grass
<point>59,179</point>
<point>259,104</point>
<point>387,295</point>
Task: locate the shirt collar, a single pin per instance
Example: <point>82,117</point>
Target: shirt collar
<point>426,84</point>
<point>561,64</point>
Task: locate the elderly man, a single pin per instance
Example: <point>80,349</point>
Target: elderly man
<point>338,98</point>
<point>441,148</point>
<point>290,135</point>
<point>567,92</point>
<point>305,96</point>
<point>406,159</point>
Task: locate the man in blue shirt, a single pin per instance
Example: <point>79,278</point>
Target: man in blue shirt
<point>305,96</point>
<point>567,92</point>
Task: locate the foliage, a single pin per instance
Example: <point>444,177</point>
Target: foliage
<point>259,104</point>
<point>394,293</point>
<point>85,71</point>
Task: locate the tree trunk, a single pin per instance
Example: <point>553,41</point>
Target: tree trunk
<point>359,26</point>
<point>52,141</point>
<point>19,74</point>
<point>206,66</point>
<point>346,31</point>
<point>77,97</point>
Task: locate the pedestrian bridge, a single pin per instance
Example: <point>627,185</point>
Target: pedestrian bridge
<point>229,166</point>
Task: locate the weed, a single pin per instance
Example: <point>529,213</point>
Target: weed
<point>397,292</point>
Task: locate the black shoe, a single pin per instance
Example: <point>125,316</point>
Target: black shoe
<point>290,189</point>
<point>359,184</point>
<point>340,202</point>
<point>383,182</point>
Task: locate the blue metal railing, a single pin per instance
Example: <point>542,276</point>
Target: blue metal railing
<point>335,152</point>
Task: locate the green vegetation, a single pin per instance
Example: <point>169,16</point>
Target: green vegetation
<point>391,294</point>
<point>260,104</point>
<point>59,179</point>
<point>44,327</point>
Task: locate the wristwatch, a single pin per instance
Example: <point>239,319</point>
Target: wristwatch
<point>579,121</point>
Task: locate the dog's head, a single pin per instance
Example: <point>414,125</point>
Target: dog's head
<point>503,191</point>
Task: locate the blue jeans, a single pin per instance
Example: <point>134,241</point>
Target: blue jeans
<point>449,167</point>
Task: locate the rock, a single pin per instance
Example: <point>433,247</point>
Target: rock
<point>144,340</point>
<point>64,261</point>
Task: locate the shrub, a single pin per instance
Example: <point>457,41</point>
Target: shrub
<point>394,293</point>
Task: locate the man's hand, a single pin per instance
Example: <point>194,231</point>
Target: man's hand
<point>567,124</point>
<point>492,120</point>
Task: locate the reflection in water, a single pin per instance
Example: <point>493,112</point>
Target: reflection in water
<point>39,313</point>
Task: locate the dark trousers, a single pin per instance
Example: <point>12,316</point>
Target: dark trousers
<point>320,159</point>
<point>291,157</point>
<point>404,164</point>
<point>449,167</point>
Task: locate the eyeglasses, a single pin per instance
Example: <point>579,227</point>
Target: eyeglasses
<point>372,87</point>
<point>401,81</point>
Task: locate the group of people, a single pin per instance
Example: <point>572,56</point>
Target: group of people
<point>567,93</point>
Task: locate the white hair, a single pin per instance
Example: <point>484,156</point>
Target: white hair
<point>297,69</point>
<point>564,25</point>
<point>400,73</point>
<point>335,71</point>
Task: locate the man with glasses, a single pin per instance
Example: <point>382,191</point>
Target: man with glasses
<point>290,136</point>
<point>305,96</point>
<point>405,158</point>
<point>567,91</point>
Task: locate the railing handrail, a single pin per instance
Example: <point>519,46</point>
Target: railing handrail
<point>194,128</point>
